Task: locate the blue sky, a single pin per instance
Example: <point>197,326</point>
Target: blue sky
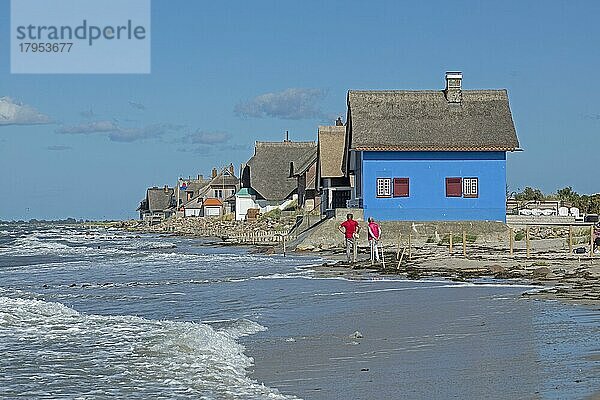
<point>225,74</point>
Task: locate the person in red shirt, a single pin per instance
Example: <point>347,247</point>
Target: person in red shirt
<point>374,236</point>
<point>350,230</point>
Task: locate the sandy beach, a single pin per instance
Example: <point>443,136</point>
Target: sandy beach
<point>419,343</point>
<point>149,316</point>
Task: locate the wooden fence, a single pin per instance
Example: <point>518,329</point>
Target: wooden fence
<point>516,245</point>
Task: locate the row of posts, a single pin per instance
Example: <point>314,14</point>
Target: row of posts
<point>407,250</point>
<point>511,234</point>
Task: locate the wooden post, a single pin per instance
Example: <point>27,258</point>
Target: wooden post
<point>398,246</point>
<point>284,245</point>
<point>570,239</point>
<point>354,249</point>
<point>382,256</point>
<point>592,241</point>
<point>464,243</point>
<point>401,257</point>
<point>511,240</point>
<point>527,244</point>
<point>450,248</point>
<point>409,246</point>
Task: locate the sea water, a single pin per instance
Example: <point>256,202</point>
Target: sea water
<point>98,313</point>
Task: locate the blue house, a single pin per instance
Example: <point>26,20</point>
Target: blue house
<point>429,155</point>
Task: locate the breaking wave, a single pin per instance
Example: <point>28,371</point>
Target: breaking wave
<point>51,350</point>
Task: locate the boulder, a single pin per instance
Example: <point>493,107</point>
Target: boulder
<point>496,269</point>
<point>541,272</point>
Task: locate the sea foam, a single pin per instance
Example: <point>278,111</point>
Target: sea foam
<point>67,352</point>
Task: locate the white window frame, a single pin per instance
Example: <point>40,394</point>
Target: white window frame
<point>384,187</point>
<point>471,187</point>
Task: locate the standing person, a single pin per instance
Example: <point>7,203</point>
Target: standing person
<point>374,236</point>
<point>350,230</point>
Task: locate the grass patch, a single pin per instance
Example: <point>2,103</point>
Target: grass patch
<point>457,239</point>
<point>228,217</point>
<point>273,214</point>
<point>539,264</point>
<point>291,207</point>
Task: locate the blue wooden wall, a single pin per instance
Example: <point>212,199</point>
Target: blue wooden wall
<point>427,172</point>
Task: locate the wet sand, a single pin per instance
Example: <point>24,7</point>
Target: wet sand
<point>431,343</point>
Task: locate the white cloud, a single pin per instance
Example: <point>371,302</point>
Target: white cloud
<point>208,137</point>
<point>293,103</point>
<point>117,133</point>
<point>89,127</point>
<point>15,113</point>
<point>58,147</point>
<point>137,105</point>
<point>146,132</point>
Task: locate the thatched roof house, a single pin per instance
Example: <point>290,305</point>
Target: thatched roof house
<point>425,120</point>
<point>268,171</point>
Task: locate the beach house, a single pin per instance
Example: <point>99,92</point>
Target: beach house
<point>187,189</point>
<point>265,178</point>
<point>305,172</point>
<point>334,185</point>
<point>158,205</point>
<point>220,190</point>
<point>429,155</point>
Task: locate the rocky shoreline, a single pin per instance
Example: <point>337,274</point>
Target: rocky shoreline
<point>559,275</point>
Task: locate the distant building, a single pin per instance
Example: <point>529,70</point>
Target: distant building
<point>187,189</point>
<point>222,186</point>
<point>158,205</point>
<point>213,207</point>
<point>305,172</point>
<point>334,185</point>
<point>266,176</point>
<point>430,154</point>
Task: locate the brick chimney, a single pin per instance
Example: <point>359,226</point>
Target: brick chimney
<point>214,173</point>
<point>231,169</point>
<point>453,87</point>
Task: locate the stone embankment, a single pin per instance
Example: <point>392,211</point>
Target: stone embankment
<point>260,231</point>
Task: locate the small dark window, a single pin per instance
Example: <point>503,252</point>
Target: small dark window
<point>401,187</point>
<point>453,187</point>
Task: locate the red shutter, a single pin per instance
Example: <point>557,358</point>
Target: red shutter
<point>453,187</point>
<point>401,187</point>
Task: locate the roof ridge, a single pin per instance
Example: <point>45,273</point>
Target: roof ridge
<point>285,144</point>
<point>428,91</point>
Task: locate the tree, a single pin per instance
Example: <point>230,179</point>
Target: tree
<point>529,194</point>
<point>567,194</point>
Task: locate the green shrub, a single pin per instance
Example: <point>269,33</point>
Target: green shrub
<point>519,236</point>
<point>273,214</point>
<point>291,207</point>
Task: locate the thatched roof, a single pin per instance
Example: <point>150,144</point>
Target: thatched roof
<point>300,166</point>
<point>160,199</point>
<point>270,167</point>
<point>331,151</point>
<point>424,120</point>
